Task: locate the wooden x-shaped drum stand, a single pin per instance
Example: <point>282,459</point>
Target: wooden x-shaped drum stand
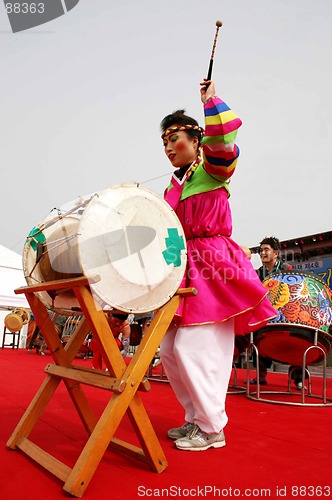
<point>121,380</point>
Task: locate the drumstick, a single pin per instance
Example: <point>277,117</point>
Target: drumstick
<point>218,24</point>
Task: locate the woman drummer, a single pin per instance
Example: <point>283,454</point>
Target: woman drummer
<point>197,350</point>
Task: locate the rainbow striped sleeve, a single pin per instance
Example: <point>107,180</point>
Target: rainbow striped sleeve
<point>220,154</point>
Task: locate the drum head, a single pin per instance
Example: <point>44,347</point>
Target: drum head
<point>134,241</point>
<point>13,322</point>
<point>50,253</point>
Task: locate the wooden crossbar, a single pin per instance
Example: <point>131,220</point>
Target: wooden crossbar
<point>88,378</point>
<point>93,377</point>
<point>57,468</point>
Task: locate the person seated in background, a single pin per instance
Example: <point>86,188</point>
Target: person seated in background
<point>118,322</point>
<point>32,332</point>
<point>269,251</point>
<point>35,339</point>
<point>144,321</point>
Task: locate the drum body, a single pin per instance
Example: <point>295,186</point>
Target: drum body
<point>127,235</point>
<point>303,303</point>
<point>16,319</point>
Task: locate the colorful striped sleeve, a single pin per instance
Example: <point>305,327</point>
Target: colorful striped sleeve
<point>220,154</point>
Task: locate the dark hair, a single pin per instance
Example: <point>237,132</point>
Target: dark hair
<point>120,316</point>
<point>180,118</point>
<point>272,241</point>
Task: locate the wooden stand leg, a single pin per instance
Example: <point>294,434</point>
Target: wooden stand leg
<point>128,400</point>
<point>122,380</point>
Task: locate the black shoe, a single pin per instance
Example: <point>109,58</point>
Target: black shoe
<point>253,381</point>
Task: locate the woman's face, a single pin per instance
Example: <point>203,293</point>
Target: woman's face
<point>180,149</point>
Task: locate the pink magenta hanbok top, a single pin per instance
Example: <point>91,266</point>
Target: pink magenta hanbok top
<point>227,284</point>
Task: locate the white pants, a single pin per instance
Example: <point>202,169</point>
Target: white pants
<point>198,363</point>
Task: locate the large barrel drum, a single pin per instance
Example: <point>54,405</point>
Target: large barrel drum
<point>127,235</point>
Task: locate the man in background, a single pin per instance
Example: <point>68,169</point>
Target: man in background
<point>269,252</point>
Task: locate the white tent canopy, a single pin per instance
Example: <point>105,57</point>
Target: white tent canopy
<point>11,277</point>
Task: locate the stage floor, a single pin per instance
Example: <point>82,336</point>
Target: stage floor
<point>272,450</point>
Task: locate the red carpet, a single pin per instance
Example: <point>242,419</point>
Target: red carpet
<point>271,449</point>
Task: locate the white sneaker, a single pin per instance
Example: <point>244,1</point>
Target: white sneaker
<point>197,440</point>
<point>156,363</point>
<point>180,432</point>
<point>299,386</point>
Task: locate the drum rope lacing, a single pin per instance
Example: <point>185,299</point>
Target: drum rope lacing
<point>60,216</point>
<point>50,223</point>
<point>51,246</point>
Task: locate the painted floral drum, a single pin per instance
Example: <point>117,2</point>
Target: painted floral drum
<point>304,306</point>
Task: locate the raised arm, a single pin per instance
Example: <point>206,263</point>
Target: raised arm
<point>220,153</point>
